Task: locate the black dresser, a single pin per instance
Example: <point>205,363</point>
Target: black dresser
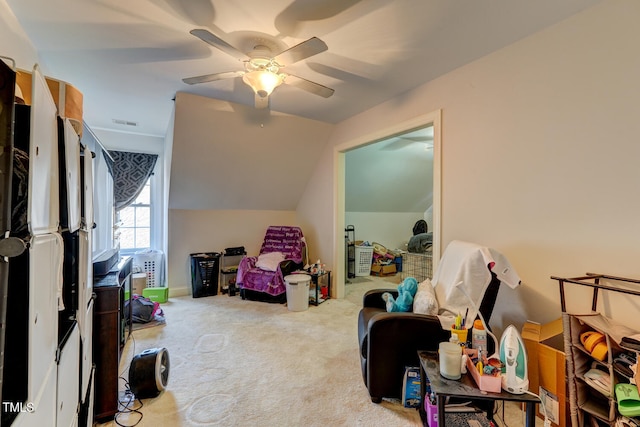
<point>111,328</point>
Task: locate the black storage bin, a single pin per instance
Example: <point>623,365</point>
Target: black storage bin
<point>205,273</point>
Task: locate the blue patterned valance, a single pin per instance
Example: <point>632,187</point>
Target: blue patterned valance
<point>130,172</point>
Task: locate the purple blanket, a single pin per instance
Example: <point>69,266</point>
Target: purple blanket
<point>285,239</point>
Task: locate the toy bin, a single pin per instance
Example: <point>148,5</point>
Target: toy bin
<point>364,255</point>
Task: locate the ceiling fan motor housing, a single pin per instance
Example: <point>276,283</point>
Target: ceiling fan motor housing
<point>149,373</point>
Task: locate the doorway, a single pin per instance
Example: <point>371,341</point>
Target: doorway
<point>391,139</point>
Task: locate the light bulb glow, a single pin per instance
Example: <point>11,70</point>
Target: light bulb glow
<point>263,82</point>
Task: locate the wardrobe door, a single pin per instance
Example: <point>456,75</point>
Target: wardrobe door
<point>42,410</point>
<point>72,176</point>
<point>87,190</point>
<point>45,278</point>
<point>69,381</point>
<point>43,214</point>
<point>84,281</point>
<point>86,359</point>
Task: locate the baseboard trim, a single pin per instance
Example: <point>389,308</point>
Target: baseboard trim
<point>179,292</point>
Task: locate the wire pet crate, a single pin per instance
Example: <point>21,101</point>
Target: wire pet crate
<point>418,266</point>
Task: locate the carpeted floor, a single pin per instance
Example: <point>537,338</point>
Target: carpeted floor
<point>242,363</point>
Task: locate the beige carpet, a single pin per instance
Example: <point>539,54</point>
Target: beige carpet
<point>243,363</point>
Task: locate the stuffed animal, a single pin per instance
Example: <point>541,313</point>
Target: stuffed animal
<point>406,291</point>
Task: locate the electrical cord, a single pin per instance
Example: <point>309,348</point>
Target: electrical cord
<point>547,421</point>
<point>125,406</point>
<point>499,405</point>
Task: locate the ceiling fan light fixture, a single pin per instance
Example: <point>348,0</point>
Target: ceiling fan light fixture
<point>263,82</point>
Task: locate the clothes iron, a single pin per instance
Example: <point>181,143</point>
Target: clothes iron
<point>514,360</point>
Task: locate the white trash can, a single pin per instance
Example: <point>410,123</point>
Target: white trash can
<point>297,291</point>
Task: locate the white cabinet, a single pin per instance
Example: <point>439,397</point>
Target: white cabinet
<point>43,214</point>
<point>47,367</point>
<point>86,359</point>
<point>45,276</point>
<point>40,411</point>
<point>72,178</point>
<point>85,282</point>
<point>69,381</point>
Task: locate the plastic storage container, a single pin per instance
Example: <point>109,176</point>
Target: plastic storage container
<point>450,360</point>
<point>297,291</point>
<point>151,263</point>
<point>478,335</point>
<point>364,255</point>
<point>205,272</point>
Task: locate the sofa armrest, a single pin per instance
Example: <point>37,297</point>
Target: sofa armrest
<point>373,298</point>
<point>406,327</point>
<point>392,343</point>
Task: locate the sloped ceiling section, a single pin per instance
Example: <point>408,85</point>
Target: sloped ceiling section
<point>393,175</point>
<point>128,58</point>
<point>232,156</point>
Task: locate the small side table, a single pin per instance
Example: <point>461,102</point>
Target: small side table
<point>320,287</point>
<point>465,388</point>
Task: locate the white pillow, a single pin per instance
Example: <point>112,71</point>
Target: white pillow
<point>425,301</point>
<point>270,261</point>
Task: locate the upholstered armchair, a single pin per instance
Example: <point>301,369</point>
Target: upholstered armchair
<point>262,277</point>
<point>389,342</point>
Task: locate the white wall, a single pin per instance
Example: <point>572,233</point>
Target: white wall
<point>391,229</point>
<point>14,42</point>
<point>540,150</point>
<point>192,231</point>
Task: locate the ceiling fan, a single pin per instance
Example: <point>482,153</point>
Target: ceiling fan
<point>262,68</point>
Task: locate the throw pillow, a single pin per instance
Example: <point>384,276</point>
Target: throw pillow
<point>425,301</point>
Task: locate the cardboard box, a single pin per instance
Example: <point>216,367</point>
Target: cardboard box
<point>138,282</point>
<point>546,368</point>
<point>383,270</point>
<point>157,294</point>
<point>411,388</point>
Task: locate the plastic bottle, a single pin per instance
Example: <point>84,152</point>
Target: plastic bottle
<point>478,335</point>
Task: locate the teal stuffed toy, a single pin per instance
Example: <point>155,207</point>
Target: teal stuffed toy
<point>406,291</point>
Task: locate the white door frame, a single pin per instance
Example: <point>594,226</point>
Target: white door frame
<point>432,118</point>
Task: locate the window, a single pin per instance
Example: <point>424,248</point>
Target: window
<point>135,222</point>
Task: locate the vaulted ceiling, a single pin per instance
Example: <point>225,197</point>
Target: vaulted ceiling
<point>129,57</point>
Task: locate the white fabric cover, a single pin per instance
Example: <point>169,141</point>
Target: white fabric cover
<point>463,276</point>
<point>269,261</point>
<point>425,301</point>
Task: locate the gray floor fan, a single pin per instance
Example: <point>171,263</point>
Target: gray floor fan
<point>149,373</point>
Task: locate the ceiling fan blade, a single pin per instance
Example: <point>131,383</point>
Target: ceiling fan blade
<point>261,102</point>
<point>425,138</point>
<point>303,50</point>
<point>309,86</point>
<point>217,42</point>
<point>212,77</point>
